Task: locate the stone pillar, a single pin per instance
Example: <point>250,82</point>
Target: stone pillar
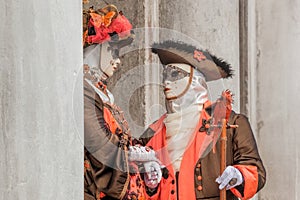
<point>278,72</point>
<point>41,149</point>
<point>152,68</point>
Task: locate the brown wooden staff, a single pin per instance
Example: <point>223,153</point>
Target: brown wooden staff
<point>223,104</point>
<point>223,141</point>
<point>223,146</point>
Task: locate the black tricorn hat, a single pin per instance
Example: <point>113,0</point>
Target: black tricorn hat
<point>210,66</point>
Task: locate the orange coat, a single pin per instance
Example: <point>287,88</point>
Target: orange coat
<point>197,174</point>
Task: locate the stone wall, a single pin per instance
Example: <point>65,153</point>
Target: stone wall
<point>278,91</point>
<point>41,120</point>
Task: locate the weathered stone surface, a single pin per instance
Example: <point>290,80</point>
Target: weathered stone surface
<point>41,145</point>
<point>278,92</point>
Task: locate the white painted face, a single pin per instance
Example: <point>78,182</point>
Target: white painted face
<point>111,67</point>
<point>108,63</point>
<point>176,79</point>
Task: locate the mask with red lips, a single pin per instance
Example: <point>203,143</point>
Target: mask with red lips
<point>184,86</point>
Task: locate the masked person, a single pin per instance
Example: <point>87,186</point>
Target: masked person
<point>109,172</point>
<point>111,164</point>
<point>183,140</point>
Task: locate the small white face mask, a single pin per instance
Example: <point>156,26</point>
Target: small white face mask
<point>102,56</point>
<point>111,67</point>
<point>176,79</point>
<point>108,61</point>
<point>183,90</point>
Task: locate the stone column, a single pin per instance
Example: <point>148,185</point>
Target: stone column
<point>152,68</point>
<point>278,72</point>
<point>41,151</point>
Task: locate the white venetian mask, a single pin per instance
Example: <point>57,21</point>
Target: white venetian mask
<point>176,79</point>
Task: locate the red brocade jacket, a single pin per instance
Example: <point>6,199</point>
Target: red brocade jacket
<point>197,174</point>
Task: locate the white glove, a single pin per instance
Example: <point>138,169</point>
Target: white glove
<point>152,174</point>
<point>141,154</point>
<point>152,166</point>
<point>230,178</point>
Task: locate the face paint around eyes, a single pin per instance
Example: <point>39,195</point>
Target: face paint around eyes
<point>175,89</point>
<point>173,73</point>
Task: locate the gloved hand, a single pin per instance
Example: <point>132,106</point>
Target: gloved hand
<point>152,166</point>
<point>230,178</point>
<point>152,174</point>
<point>141,154</point>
